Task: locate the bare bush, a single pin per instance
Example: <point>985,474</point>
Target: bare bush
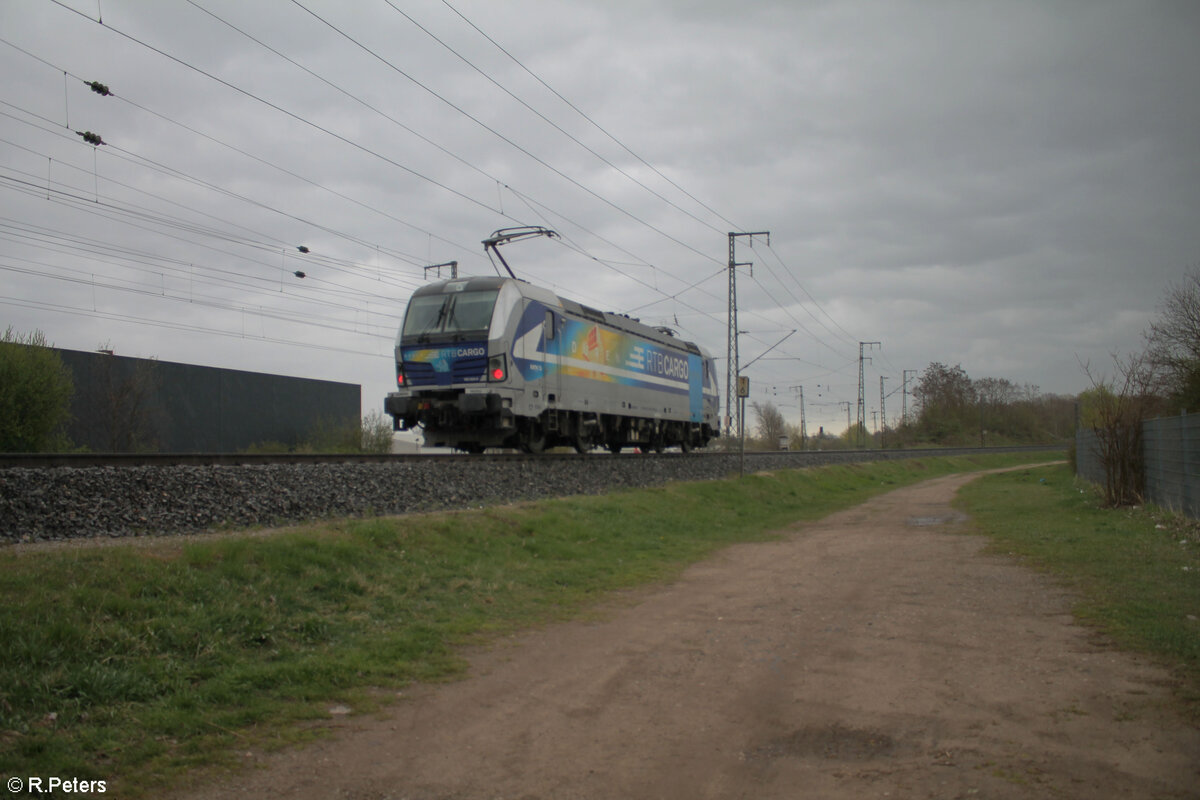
<point>377,433</point>
<point>1114,408</point>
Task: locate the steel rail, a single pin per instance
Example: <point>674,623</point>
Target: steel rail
<point>119,460</point>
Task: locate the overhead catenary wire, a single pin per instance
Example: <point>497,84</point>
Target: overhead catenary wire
<point>670,294</point>
<point>128,215</point>
<point>466,162</point>
<point>292,115</point>
<point>83,278</point>
<point>255,97</point>
<point>175,325</point>
<point>506,139</point>
<point>732,225</point>
<point>166,170</point>
<point>119,215</point>
<point>156,265</point>
<point>841,332</point>
<point>103,208</point>
<point>160,220</point>
<point>547,120</point>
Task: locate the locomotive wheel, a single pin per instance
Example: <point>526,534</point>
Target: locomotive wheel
<point>614,447</point>
<point>685,444</point>
<point>580,443</point>
<point>533,439</point>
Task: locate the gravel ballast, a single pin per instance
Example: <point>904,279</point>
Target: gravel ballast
<point>87,502</point>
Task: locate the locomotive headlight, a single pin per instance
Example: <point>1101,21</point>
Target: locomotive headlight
<point>497,368</point>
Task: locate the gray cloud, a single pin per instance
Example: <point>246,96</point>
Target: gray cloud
<point>1007,186</point>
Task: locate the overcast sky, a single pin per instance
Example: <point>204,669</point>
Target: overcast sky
<point>1009,186</point>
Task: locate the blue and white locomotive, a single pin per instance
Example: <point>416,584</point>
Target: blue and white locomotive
<point>497,362</point>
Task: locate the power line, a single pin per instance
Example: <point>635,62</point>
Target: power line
<point>591,121</point>
<point>356,99</point>
<point>849,336</point>
<point>156,265</point>
<point>546,119</point>
<point>284,111</point>
<point>410,130</point>
<point>348,94</point>
<point>99,207</point>
<point>676,296</point>
<point>501,136</point>
<point>116,213</point>
<point>106,209</point>
<point>75,310</point>
<point>412,259</point>
<point>204,301</point>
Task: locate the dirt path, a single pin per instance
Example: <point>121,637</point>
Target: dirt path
<point>875,653</point>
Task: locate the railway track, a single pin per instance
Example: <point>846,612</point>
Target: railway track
<point>51,497</point>
<point>78,460</point>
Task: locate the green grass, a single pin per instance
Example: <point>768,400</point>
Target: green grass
<point>136,663</point>
<point>1137,570</point>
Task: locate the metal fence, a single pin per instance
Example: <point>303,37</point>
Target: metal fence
<point>1172,461</point>
<point>1171,458</point>
<point>1087,456</point>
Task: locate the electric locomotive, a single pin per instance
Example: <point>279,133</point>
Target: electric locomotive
<point>497,362</point>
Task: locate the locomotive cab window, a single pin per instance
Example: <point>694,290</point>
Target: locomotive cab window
<point>461,312</point>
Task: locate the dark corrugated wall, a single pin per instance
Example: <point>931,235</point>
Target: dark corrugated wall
<point>126,404</point>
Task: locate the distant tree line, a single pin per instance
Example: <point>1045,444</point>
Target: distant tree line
<point>953,409</point>
<point>949,409</point>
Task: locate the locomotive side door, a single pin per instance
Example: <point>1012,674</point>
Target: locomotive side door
<point>552,373</point>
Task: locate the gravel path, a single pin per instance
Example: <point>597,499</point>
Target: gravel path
<point>876,653</point>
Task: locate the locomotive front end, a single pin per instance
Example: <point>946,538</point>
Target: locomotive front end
<point>452,371</point>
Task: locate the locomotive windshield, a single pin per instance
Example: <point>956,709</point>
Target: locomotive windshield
<point>455,312</point>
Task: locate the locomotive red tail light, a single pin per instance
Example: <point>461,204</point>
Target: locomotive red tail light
<point>497,369</point>
<point>399,376</point>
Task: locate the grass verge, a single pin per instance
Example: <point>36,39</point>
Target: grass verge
<point>137,663</point>
<point>1137,570</point>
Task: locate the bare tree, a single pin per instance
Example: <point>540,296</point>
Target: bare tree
<point>770,424</point>
<point>1173,344</point>
<point>996,391</point>
<point>125,402</point>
